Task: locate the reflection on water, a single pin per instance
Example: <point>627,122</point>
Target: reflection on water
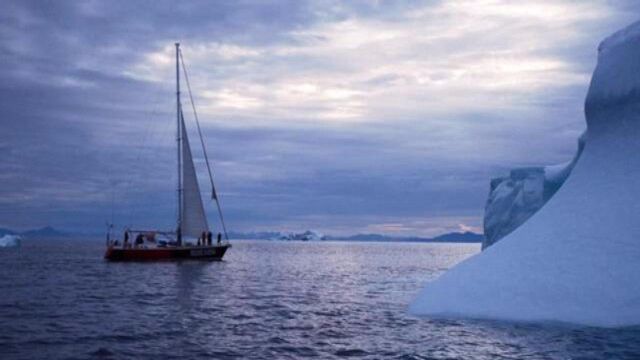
<point>266,300</point>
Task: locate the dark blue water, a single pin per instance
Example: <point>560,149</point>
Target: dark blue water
<point>60,300</point>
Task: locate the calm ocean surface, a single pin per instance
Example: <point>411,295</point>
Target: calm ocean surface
<point>60,300</point>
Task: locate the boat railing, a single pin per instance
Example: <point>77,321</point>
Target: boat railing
<point>150,235</point>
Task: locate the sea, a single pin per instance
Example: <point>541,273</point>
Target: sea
<point>267,300</point>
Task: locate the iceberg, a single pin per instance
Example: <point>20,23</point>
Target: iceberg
<point>308,235</point>
<point>515,198</point>
<point>577,259</point>
<point>9,241</point>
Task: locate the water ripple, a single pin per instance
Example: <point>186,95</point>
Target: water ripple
<point>282,300</point>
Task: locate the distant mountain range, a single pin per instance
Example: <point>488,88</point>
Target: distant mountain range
<point>466,236</point>
<point>457,237</point>
<point>46,231</point>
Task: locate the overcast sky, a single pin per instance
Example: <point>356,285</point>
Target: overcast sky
<point>363,116</point>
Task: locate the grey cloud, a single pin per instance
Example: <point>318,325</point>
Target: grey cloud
<point>80,139</point>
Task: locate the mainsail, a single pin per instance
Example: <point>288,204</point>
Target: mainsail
<point>194,221</point>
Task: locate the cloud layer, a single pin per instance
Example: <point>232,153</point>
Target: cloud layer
<point>368,117</point>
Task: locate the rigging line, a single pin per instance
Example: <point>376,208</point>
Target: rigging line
<point>195,114</point>
<point>214,195</point>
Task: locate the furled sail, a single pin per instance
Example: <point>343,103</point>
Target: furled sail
<point>194,221</point>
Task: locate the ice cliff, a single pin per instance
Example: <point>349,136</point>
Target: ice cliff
<point>515,198</point>
<point>577,259</point>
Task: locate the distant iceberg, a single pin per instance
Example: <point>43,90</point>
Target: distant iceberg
<point>9,241</point>
<point>308,235</point>
<point>577,259</point>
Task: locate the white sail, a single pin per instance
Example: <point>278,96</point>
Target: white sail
<point>194,221</point>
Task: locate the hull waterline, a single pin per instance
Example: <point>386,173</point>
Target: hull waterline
<point>167,254</point>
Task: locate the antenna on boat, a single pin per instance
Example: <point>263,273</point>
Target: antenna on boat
<point>179,140</point>
<point>109,232</point>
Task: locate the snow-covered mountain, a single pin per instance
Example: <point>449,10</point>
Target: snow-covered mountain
<point>46,231</point>
<point>577,259</point>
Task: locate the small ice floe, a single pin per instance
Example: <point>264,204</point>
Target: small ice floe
<point>10,241</point>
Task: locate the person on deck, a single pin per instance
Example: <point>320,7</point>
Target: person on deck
<point>139,240</point>
<point>209,235</point>
<point>219,238</point>
<point>126,239</point>
<point>204,238</point>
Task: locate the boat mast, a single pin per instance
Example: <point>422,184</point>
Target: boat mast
<point>179,140</point>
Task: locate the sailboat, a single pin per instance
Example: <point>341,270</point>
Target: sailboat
<point>191,219</point>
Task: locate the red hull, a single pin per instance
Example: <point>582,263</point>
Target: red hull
<point>168,253</point>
